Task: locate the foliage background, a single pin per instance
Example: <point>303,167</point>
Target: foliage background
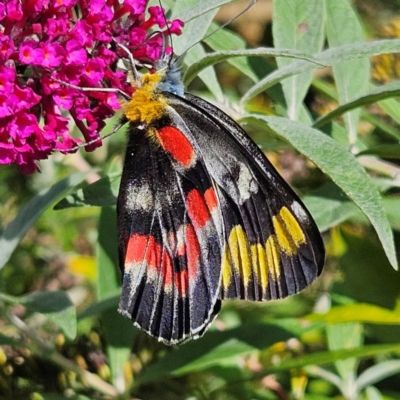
<point>60,334</point>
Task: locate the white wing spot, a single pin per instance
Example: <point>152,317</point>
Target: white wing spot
<point>246,182</point>
<point>140,196</point>
<point>299,212</point>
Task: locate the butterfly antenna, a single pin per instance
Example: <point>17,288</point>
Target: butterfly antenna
<point>100,138</point>
<point>130,58</point>
<point>247,8</point>
<point>169,37</point>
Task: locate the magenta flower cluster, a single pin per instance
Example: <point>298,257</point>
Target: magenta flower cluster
<point>73,41</point>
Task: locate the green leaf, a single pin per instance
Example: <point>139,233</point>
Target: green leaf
<point>383,151</point>
<point>194,30</point>
<point>381,92</point>
<point>377,372</point>
<point>213,349</point>
<point>189,10</point>
<point>391,107</point>
<point>329,206</point>
<point>118,330</point>
<point>328,376</point>
<point>329,57</point>
<point>208,76</point>
<point>331,158</point>
<point>227,353</point>
<point>373,393</point>
<point>328,357</point>
<point>346,336</point>
<point>224,40</point>
<point>328,89</point>
<point>383,125</point>
<point>101,306</point>
<point>351,77</point>
<point>367,279</point>
<point>101,193</point>
<point>31,211</point>
<point>56,306</point>
<point>219,56</point>
<point>53,396</point>
<point>392,207</point>
<point>9,341</point>
<point>197,18</point>
<point>108,277</point>
<point>385,184</point>
<point>297,25</point>
<point>358,312</point>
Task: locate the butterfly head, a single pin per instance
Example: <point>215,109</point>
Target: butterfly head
<point>171,81</point>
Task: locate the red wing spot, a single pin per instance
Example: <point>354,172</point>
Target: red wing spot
<point>142,247</point>
<point>181,282</point>
<point>192,251</point>
<point>197,209</point>
<point>136,248</point>
<point>170,276</point>
<point>180,249</point>
<point>167,269</point>
<point>176,143</point>
<point>211,198</point>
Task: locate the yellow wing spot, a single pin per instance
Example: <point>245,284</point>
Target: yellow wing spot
<point>239,247</point>
<point>293,227</point>
<point>146,105</point>
<point>273,259</point>
<point>260,266</point>
<point>226,269</point>
<point>288,232</point>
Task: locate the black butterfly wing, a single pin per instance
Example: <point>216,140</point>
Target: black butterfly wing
<point>272,247</point>
<point>169,244</point>
<point>203,215</point>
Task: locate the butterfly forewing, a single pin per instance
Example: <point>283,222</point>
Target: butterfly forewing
<point>167,235</point>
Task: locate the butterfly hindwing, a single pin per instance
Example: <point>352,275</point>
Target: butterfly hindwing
<point>272,247</point>
<point>168,238</point>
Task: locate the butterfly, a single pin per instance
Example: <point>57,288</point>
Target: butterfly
<point>202,215</point>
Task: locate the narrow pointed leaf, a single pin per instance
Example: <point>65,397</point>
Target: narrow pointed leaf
<point>298,25</point>
<point>56,306</point>
<point>29,214</point>
<point>377,372</point>
<point>101,193</point>
<point>195,30</point>
<point>379,93</point>
<point>187,11</point>
<point>118,330</point>
<point>328,357</point>
<point>358,312</point>
<point>351,77</point>
<point>219,56</point>
<point>329,57</point>
<point>225,40</point>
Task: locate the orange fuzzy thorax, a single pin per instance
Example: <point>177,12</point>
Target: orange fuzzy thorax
<point>146,104</point>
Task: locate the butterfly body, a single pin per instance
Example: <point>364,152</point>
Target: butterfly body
<point>202,215</point>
